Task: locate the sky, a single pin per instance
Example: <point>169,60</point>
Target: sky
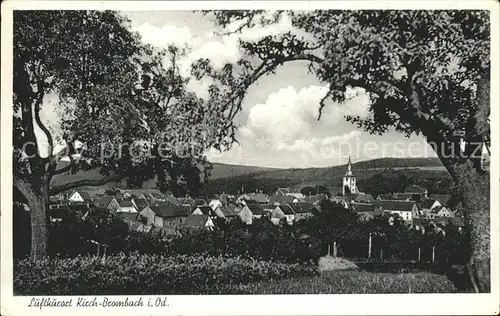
<point>278,124</point>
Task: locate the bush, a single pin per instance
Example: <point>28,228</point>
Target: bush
<point>348,282</point>
<point>145,274</point>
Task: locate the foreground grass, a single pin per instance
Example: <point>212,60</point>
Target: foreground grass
<point>350,282</point>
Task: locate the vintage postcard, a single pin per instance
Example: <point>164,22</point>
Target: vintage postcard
<point>250,158</point>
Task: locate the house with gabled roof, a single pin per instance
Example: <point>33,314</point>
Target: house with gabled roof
<point>140,204</point>
<point>442,211</point>
<point>429,204</point>
<point>170,198</point>
<point>205,210</point>
<point>362,198</point>
<point>134,193</point>
<point>198,221</point>
<point>443,199</point>
<point>285,212</point>
<point>108,202</point>
<point>407,210</point>
<point>215,203</point>
<point>79,196</point>
<point>125,206</point>
<point>251,211</point>
<point>147,215</point>
<point>303,210</point>
<point>226,211</point>
<point>167,215</point>
<point>282,200</point>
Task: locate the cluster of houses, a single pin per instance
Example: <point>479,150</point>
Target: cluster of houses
<point>414,206</point>
<point>146,209</point>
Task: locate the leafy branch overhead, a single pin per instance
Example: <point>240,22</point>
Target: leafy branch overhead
<point>420,68</point>
<point>111,90</point>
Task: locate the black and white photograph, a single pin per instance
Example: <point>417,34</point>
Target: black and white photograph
<point>282,152</point>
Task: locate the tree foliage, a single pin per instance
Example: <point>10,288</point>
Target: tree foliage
<point>426,72</point>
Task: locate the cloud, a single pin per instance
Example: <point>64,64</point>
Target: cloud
<point>289,117</point>
<point>220,50</point>
<point>166,35</point>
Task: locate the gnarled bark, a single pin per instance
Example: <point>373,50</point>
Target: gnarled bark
<point>37,203</point>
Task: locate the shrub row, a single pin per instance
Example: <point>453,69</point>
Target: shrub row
<point>139,274</point>
<point>347,282</point>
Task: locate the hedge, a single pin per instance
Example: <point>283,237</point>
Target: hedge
<point>141,274</point>
<point>348,282</point>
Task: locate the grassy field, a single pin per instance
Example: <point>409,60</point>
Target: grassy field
<point>351,282</point>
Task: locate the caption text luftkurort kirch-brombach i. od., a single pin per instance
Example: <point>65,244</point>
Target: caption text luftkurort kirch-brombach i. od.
<point>97,302</point>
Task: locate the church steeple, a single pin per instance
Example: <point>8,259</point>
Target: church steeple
<point>349,167</point>
<point>349,180</point>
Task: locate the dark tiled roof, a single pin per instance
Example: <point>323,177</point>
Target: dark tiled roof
<point>258,197</point>
<point>286,209</point>
<point>172,199</point>
<point>444,199</point>
<point>363,198</point>
<point>227,211</point>
<point>363,207</point>
<point>415,189</point>
<point>428,203</point>
<point>168,210</point>
<point>82,207</point>
<point>256,209</point>
<point>206,210</point>
<point>125,203</point>
<point>141,204</point>
<point>196,220</point>
<point>281,199</point>
<point>104,201</point>
<point>302,208</point>
<point>395,205</point>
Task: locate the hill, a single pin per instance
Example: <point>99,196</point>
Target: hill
<point>221,170</point>
<point>270,179</point>
<point>232,178</point>
<point>306,174</point>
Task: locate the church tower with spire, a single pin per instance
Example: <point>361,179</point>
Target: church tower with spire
<point>349,181</point>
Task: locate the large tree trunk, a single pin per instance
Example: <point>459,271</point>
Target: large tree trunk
<point>476,201</point>
<point>474,186</point>
<point>38,203</point>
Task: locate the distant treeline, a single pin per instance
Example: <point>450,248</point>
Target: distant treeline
<point>374,182</point>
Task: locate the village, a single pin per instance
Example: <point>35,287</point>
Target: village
<point>146,210</point>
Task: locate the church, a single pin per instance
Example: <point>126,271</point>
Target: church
<point>349,181</point>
